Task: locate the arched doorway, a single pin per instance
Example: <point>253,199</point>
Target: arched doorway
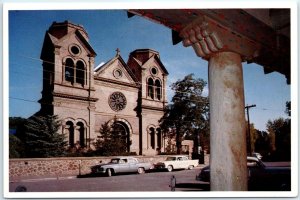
<point>121,133</point>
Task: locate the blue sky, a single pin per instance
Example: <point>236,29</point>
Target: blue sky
<point>109,30</point>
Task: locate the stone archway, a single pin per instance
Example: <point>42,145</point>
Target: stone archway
<point>123,130</point>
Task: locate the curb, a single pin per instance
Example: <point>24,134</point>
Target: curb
<point>44,179</point>
<point>62,177</point>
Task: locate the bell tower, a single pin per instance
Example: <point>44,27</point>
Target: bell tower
<point>68,82</point>
<point>151,73</point>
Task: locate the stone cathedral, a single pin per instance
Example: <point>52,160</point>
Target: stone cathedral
<point>131,95</point>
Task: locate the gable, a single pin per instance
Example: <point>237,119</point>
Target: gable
<point>154,61</point>
<point>74,38</point>
<point>116,70</point>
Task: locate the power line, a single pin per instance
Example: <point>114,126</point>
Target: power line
<point>102,113</point>
<point>21,99</point>
<point>104,88</point>
<point>268,109</point>
<point>60,73</point>
<point>168,89</point>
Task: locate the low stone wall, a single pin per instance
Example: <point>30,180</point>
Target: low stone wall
<point>58,167</point>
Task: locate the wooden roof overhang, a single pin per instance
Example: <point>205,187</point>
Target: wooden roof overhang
<point>260,36</point>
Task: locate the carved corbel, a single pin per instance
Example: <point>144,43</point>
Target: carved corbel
<point>201,37</point>
<point>208,37</point>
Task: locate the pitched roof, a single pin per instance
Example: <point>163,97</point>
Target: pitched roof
<point>83,39</point>
<point>103,67</point>
<point>155,54</point>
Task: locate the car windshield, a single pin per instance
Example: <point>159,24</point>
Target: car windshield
<point>115,161</point>
<point>170,158</point>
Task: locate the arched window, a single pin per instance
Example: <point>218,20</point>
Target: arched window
<point>80,132</point>
<point>80,73</point>
<point>158,89</point>
<point>70,132</point>
<point>150,88</point>
<point>69,70</point>
<point>152,138</point>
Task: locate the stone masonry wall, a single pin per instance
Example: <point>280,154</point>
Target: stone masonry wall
<point>58,167</point>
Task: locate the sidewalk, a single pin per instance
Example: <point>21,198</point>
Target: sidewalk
<point>39,178</point>
<point>58,177</point>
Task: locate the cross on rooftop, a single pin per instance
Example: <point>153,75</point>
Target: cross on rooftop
<point>118,51</point>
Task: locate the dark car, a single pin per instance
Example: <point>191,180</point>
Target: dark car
<point>260,176</point>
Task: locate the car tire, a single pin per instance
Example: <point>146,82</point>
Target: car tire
<point>170,168</point>
<point>190,167</point>
<point>141,170</point>
<point>109,172</point>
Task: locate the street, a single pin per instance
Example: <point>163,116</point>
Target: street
<point>153,181</point>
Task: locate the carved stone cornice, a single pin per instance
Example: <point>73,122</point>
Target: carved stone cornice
<point>152,108</point>
<point>69,96</point>
<point>134,85</point>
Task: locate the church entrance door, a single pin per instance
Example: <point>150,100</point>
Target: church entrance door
<point>121,131</point>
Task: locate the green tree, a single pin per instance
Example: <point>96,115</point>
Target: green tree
<point>111,141</point>
<point>16,122</point>
<point>262,143</point>
<point>188,112</point>
<point>280,132</point>
<point>16,147</point>
<point>41,138</point>
<point>253,137</point>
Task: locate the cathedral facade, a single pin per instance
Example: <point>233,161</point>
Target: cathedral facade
<point>131,95</point>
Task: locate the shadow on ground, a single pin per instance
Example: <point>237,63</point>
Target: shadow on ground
<point>193,186</point>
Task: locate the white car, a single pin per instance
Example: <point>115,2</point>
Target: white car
<point>176,162</point>
<point>257,155</point>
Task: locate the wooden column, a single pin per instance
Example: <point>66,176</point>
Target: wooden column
<point>228,159</point>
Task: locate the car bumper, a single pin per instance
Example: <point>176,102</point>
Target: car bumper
<point>98,171</point>
<point>203,178</point>
<point>160,167</point>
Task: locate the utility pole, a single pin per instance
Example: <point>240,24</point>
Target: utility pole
<point>248,134</point>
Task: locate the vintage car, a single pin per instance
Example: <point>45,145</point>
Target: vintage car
<point>257,155</point>
<point>121,165</point>
<point>176,162</point>
<point>260,176</point>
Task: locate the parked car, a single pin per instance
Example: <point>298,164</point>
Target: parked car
<point>121,165</point>
<point>260,176</point>
<point>257,155</point>
<point>176,162</point>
